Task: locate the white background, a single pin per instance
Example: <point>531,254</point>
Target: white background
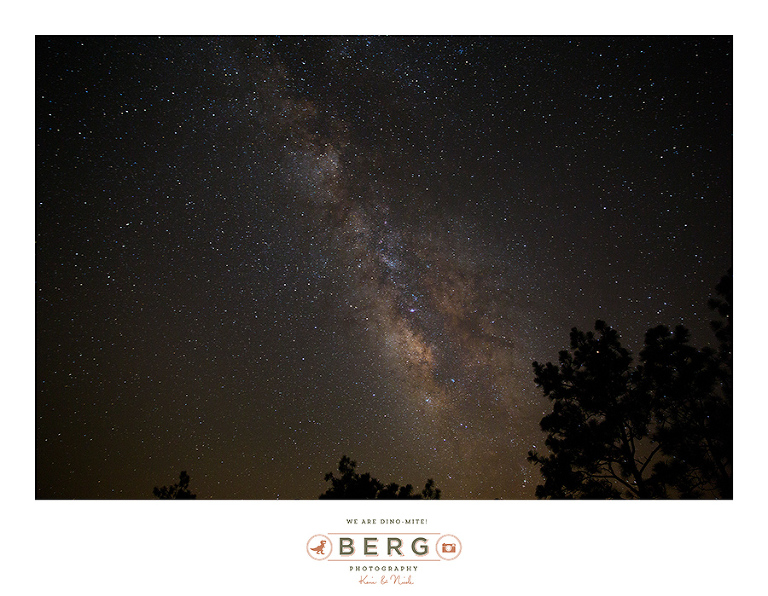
<point>247,547</point>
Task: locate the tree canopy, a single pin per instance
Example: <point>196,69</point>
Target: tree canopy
<point>352,485</point>
<point>663,428</point>
<point>180,490</point>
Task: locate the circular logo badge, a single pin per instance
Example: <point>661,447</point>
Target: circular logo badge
<point>319,547</point>
<point>448,547</point>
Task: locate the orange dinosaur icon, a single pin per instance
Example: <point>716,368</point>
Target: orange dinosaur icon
<point>319,549</point>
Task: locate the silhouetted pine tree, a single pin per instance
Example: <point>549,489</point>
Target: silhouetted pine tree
<point>351,485</point>
<point>662,429</point>
<point>180,490</point>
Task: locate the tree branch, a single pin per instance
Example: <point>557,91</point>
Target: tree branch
<point>621,480</point>
<point>649,458</point>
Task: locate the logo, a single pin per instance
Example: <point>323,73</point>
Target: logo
<point>319,547</point>
<point>392,558</point>
<point>378,547</point>
<point>448,547</point>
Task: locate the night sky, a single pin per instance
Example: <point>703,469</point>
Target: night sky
<point>255,255</point>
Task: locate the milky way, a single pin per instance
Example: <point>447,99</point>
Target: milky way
<point>257,255</point>
<point>441,325</point>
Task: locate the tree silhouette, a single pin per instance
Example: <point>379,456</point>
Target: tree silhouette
<point>693,416</point>
<point>596,423</point>
<point>430,491</point>
<point>351,485</point>
<point>723,329</point>
<point>693,390</point>
<point>180,490</point>
<point>662,429</point>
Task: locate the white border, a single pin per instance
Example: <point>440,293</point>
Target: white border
<point>255,547</point>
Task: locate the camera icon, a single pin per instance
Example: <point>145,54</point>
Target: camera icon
<point>448,547</point>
